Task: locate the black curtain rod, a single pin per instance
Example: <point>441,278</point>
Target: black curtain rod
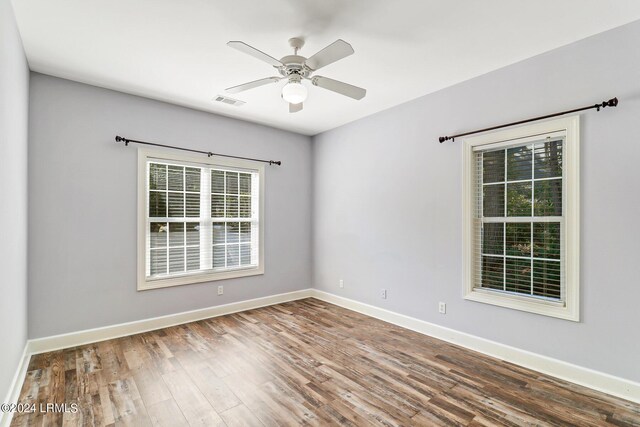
<point>128,141</point>
<point>610,103</point>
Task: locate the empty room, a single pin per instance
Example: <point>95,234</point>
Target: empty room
<point>336,212</point>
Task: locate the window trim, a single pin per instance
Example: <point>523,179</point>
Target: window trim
<point>570,127</point>
<point>191,278</point>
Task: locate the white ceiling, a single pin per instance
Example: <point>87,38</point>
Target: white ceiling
<point>175,50</point>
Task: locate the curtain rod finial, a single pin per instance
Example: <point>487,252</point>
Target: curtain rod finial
<point>613,102</point>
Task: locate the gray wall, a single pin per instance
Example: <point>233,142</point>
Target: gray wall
<point>14,98</point>
<point>387,202</point>
<point>82,214</point>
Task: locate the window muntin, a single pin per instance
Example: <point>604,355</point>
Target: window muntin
<point>519,219</point>
<point>201,222</point>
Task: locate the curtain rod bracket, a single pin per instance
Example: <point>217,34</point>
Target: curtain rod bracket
<point>613,102</point>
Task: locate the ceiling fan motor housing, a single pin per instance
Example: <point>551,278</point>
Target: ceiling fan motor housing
<point>294,64</point>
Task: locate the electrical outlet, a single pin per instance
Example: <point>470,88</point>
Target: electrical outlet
<point>341,283</point>
<point>442,308</point>
<point>220,290</point>
<point>383,293</point>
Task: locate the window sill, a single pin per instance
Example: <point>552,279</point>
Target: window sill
<point>522,303</point>
<point>145,284</point>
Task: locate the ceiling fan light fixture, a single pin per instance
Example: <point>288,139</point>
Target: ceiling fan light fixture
<point>294,92</point>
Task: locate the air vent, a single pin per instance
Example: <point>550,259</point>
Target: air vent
<point>230,101</point>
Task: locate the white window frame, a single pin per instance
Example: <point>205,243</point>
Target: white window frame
<point>569,128</point>
<point>144,156</point>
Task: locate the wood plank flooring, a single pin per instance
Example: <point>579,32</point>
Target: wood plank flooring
<point>301,363</point>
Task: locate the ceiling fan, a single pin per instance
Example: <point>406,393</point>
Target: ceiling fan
<point>295,68</point>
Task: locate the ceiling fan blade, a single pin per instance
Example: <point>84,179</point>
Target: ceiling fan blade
<point>342,88</point>
<point>335,51</point>
<point>251,85</point>
<point>249,50</point>
<point>294,108</point>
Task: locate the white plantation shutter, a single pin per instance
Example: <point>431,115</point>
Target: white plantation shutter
<point>200,219</point>
<point>519,220</point>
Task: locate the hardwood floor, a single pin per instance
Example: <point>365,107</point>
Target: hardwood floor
<point>304,362</point>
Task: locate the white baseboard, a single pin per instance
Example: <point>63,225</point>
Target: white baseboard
<point>16,385</point>
<point>600,381</point>
<point>73,339</point>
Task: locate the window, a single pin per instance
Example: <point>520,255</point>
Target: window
<point>199,220</point>
<point>521,225</point>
